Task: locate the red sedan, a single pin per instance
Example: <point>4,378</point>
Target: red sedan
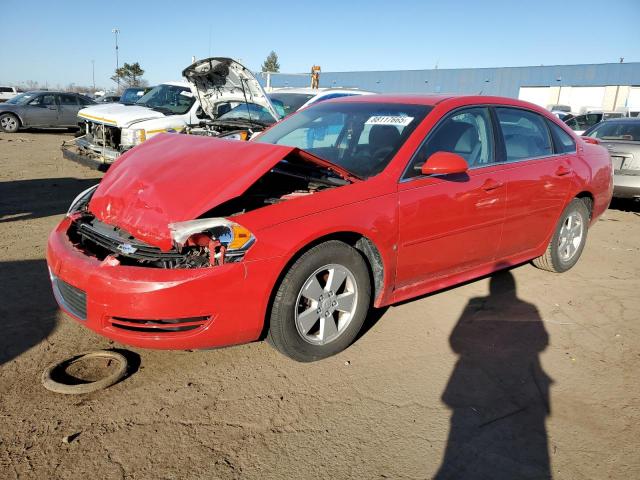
<point>192,243</point>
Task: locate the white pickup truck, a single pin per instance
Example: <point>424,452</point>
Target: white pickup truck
<point>215,86</point>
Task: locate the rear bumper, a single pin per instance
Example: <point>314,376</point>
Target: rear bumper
<point>221,305</point>
<point>626,186</point>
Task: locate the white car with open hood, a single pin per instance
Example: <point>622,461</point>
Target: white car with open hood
<point>215,86</point>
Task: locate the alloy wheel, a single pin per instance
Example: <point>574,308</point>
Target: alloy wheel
<point>326,304</point>
<point>570,236</point>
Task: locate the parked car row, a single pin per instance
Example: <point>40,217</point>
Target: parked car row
<point>219,97</point>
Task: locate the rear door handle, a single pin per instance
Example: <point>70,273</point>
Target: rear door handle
<point>490,184</point>
<point>562,171</point>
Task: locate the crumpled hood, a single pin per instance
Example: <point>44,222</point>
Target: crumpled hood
<point>174,178</point>
<point>219,80</point>
<point>118,115</point>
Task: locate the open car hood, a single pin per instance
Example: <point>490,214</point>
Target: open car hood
<point>218,80</point>
<point>174,178</point>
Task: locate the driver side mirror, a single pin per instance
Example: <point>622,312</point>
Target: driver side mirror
<point>444,163</point>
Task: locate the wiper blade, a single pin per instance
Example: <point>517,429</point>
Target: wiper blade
<point>338,169</point>
<point>241,121</point>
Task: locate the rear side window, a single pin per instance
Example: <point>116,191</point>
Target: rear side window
<point>6,90</point>
<point>562,140</point>
<point>525,134</point>
<point>67,99</point>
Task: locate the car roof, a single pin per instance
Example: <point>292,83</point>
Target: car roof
<point>317,91</point>
<point>178,83</point>
<point>432,100</point>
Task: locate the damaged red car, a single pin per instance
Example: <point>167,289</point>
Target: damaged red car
<point>195,243</point>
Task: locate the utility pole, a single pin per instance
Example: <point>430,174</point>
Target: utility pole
<point>93,74</point>
<point>115,31</point>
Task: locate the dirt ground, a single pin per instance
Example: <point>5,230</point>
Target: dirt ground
<point>524,375</point>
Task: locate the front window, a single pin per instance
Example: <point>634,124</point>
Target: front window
<point>360,137</point>
<point>467,133</point>
<point>168,99</point>
<point>291,101</point>
<point>132,95</point>
<point>611,130</point>
<point>21,98</point>
<point>43,100</point>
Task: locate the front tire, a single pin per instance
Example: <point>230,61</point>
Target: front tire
<point>9,123</point>
<point>321,303</point>
<point>568,240</point>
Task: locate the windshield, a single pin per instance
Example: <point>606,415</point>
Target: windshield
<point>628,131</point>
<point>21,98</point>
<point>360,137</point>
<point>168,99</point>
<point>249,111</point>
<point>131,95</point>
<point>291,101</point>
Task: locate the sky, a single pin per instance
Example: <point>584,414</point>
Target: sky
<point>55,43</point>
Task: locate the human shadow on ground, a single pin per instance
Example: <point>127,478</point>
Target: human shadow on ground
<point>498,392</point>
<point>27,307</point>
<point>29,199</point>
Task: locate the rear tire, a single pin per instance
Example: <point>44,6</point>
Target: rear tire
<point>568,239</point>
<point>321,303</point>
<point>9,123</point>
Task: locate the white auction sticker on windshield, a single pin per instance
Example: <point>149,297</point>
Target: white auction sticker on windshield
<point>186,93</point>
<point>399,120</point>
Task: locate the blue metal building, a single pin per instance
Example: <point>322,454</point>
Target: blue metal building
<point>504,81</point>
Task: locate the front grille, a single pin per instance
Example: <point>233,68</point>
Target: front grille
<point>112,243</point>
<point>102,240</point>
<point>70,298</point>
<point>102,135</point>
<point>159,326</point>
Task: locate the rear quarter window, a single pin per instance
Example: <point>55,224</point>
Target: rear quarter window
<point>562,140</point>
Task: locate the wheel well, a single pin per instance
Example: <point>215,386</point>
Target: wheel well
<point>587,199</point>
<point>15,115</point>
<point>364,245</point>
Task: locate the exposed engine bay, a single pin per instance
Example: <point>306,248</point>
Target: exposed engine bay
<point>102,135</point>
<point>211,240</point>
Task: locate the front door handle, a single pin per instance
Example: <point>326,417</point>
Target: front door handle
<point>562,171</point>
<point>490,184</point>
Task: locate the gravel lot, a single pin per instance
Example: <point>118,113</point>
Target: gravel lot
<point>480,381</point>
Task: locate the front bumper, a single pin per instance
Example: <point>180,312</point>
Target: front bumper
<point>85,153</point>
<point>222,305</point>
<point>626,186</point>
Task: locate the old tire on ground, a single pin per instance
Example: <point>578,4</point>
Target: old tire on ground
<point>568,239</point>
<point>73,389</point>
<point>321,303</point>
<point>9,123</point>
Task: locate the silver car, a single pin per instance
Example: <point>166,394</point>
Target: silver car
<point>621,136</point>
<point>41,109</point>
